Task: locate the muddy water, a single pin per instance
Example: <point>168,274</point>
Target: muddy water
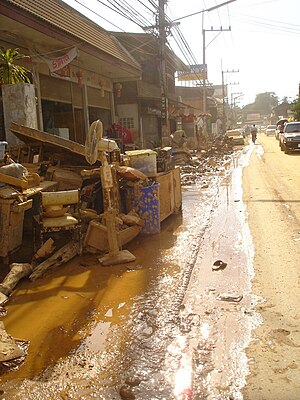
<point>159,330</point>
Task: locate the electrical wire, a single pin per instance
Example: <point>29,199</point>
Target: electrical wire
<point>98,15</point>
<point>277,26</point>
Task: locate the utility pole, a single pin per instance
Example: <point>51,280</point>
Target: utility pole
<point>223,95</point>
<point>203,33</point>
<point>204,60</point>
<point>233,98</point>
<point>163,70</point>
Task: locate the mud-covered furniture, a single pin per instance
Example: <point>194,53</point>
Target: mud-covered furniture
<point>58,212</point>
<point>170,195</point>
<point>12,210</point>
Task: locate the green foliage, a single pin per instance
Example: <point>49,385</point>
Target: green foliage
<point>295,107</point>
<point>9,72</point>
<point>264,102</point>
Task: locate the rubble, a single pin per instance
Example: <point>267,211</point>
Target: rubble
<point>66,253</point>
<point>206,161</point>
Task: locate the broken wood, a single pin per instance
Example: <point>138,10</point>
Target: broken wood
<point>3,299</point>
<point>66,253</point>
<point>16,273</point>
<point>10,180</point>
<point>90,172</point>
<point>30,134</point>
<point>44,251</point>
<point>9,349</point>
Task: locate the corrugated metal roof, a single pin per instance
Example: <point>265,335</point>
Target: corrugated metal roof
<point>144,46</point>
<point>60,15</point>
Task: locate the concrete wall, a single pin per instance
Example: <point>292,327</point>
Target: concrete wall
<point>19,106</point>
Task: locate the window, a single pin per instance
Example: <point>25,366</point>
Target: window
<point>127,122</point>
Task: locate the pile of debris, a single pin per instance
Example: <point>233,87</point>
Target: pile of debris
<point>208,161</point>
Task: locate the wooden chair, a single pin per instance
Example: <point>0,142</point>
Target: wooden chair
<point>58,212</point>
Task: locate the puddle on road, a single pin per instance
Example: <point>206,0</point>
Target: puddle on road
<point>131,326</point>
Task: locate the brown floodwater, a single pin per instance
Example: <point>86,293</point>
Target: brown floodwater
<point>166,326</point>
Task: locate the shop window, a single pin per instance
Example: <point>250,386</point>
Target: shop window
<point>102,114</point>
<point>58,118</point>
<point>127,122</point>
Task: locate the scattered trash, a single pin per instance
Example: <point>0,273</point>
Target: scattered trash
<point>109,313</point>
<point>219,265</point>
<point>17,272</point>
<point>9,349</point>
<point>232,297</point>
<point>66,253</point>
<point>134,267</point>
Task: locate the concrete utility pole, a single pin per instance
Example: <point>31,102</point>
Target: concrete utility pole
<point>204,59</point>
<point>223,95</point>
<point>203,33</point>
<point>163,70</point>
<point>233,98</point>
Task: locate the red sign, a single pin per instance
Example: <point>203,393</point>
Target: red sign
<point>56,64</point>
<point>64,73</point>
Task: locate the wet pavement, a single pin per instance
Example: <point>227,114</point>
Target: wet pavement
<point>168,326</point>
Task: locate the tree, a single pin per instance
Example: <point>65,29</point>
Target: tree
<point>295,107</point>
<point>9,72</point>
<point>265,102</point>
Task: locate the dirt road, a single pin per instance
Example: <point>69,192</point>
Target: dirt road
<point>272,197</point>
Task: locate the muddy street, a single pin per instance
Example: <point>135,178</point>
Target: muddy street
<point>182,321</point>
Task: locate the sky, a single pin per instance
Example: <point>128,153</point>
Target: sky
<point>262,44</point>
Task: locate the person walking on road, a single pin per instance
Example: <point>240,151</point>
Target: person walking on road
<point>253,132</point>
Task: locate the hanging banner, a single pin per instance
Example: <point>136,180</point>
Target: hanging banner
<point>59,63</point>
<point>64,73</point>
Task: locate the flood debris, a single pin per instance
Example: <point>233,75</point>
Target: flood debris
<point>231,297</point>
<point>63,255</point>
<point>134,267</point>
<point>16,273</point>
<point>44,251</point>
<point>3,300</point>
<point>219,265</point>
<point>9,347</point>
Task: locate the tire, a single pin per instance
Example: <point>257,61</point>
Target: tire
<point>280,145</point>
<point>286,150</point>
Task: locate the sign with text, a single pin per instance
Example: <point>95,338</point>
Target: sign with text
<point>58,63</point>
<point>196,73</point>
<point>253,117</point>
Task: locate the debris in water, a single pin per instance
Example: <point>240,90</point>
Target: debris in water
<point>9,348</point>
<point>109,313</point>
<point>219,264</point>
<point>134,267</point>
<point>236,298</point>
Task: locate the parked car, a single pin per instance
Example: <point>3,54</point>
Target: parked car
<point>271,130</point>
<point>235,136</point>
<point>279,127</point>
<point>262,128</point>
<point>290,138</point>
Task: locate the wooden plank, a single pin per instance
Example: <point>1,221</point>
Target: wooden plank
<point>30,135</point>
<point>10,180</point>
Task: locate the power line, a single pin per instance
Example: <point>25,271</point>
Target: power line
<point>98,15</point>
